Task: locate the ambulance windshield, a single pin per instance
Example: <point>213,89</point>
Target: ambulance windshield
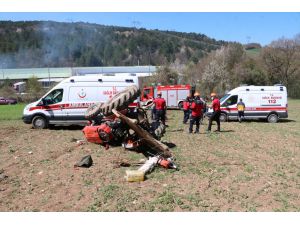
<point>53,97</point>
<point>231,101</point>
<point>224,97</point>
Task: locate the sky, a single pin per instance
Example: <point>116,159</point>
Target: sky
<point>257,27</point>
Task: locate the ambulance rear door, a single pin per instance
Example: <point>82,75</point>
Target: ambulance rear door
<point>274,101</point>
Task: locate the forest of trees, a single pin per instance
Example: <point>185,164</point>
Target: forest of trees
<point>231,66</point>
<point>183,57</point>
<point>53,44</point>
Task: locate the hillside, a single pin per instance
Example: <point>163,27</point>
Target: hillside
<point>53,44</point>
<point>253,49</point>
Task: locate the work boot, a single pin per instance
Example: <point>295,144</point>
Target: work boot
<point>196,132</point>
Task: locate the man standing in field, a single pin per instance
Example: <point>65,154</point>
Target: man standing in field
<point>186,109</point>
<point>241,108</point>
<point>217,112</point>
<point>160,109</point>
<point>196,107</point>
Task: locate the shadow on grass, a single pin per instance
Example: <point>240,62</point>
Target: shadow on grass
<point>147,151</point>
<point>70,127</point>
<point>226,131</point>
<point>175,130</point>
<point>287,121</point>
<point>169,144</point>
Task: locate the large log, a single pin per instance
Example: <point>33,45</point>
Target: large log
<point>156,145</point>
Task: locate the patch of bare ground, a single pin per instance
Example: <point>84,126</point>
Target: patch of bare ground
<point>252,166</point>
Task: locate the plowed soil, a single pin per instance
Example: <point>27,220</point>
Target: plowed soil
<point>250,166</point>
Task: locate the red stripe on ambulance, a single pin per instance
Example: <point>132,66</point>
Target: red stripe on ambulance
<point>257,109</point>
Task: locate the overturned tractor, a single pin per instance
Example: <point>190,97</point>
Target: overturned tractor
<point>119,122</point>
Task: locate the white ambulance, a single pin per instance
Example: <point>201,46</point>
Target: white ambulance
<point>261,102</point>
<point>66,103</point>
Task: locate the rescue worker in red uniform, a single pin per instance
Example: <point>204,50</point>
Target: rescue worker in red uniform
<point>196,107</point>
<point>160,109</point>
<point>186,109</point>
<point>217,112</point>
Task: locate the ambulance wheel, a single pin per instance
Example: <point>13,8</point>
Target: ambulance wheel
<point>39,122</point>
<point>120,101</point>
<point>272,118</point>
<point>223,117</point>
<point>93,111</point>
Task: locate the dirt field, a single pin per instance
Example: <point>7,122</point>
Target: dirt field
<point>253,166</point>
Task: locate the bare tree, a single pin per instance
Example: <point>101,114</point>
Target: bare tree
<point>34,88</point>
<point>163,76</point>
<point>281,60</point>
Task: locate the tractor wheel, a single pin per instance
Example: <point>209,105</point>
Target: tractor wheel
<point>120,101</point>
<point>93,111</point>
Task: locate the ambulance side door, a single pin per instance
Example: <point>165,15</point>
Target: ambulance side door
<point>230,105</point>
<point>53,105</point>
<point>252,101</point>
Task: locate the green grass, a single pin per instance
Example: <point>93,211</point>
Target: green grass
<point>253,52</point>
<point>11,112</point>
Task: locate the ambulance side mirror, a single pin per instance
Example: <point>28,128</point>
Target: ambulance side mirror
<point>42,102</point>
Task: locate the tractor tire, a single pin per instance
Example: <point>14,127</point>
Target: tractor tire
<point>93,111</point>
<point>120,101</point>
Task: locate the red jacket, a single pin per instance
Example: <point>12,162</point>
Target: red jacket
<point>216,105</point>
<point>196,109</point>
<point>160,103</point>
<point>186,105</point>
